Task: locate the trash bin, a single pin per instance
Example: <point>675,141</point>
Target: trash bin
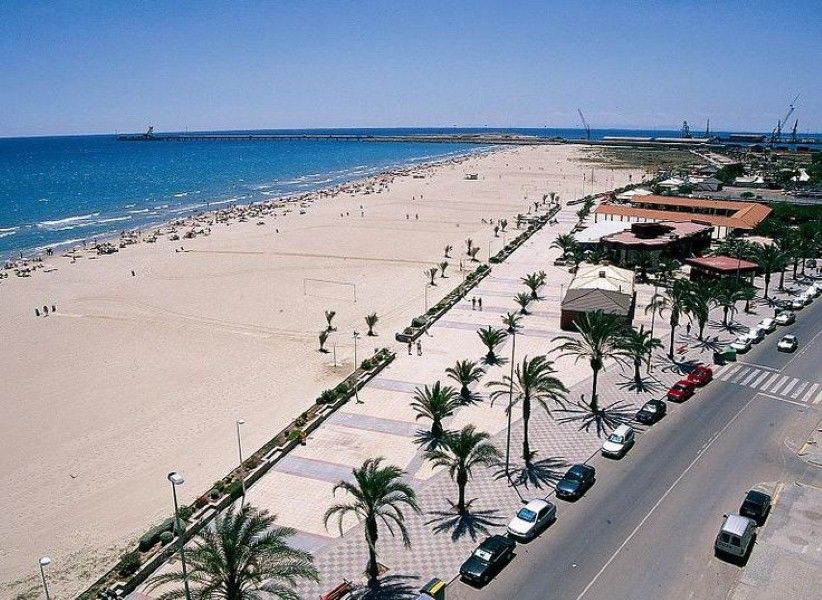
<point>433,590</point>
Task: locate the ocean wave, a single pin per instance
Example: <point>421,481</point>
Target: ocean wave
<point>129,206</point>
<point>112,220</point>
<point>162,206</point>
<point>71,219</point>
<point>7,232</point>
<point>138,212</point>
<point>8,229</point>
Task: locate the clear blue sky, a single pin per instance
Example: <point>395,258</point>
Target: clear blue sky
<point>85,66</point>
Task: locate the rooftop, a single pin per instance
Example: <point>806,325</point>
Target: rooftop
<point>593,233</point>
<point>603,277</point>
<point>673,230</point>
<point>721,263</point>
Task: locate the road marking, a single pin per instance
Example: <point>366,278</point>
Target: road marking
<point>750,377</point>
<point>758,365</point>
<point>730,372</point>
<point>810,392</point>
<point>738,377</point>
<point>770,381</point>
<point>780,398</point>
<point>818,397</point>
<point>799,390</point>
<point>760,379</point>
<point>699,454</point>
<point>801,352</point>
<point>721,370</point>
<point>790,386</point>
<point>781,382</point>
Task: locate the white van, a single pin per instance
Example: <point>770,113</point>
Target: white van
<point>735,536</point>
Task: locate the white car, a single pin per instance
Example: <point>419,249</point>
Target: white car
<point>816,289</point>
<point>767,325</point>
<point>532,518</point>
<point>785,318</point>
<point>618,443</point>
<point>741,344</point>
<point>798,303</point>
<point>789,343</point>
<point>755,335</point>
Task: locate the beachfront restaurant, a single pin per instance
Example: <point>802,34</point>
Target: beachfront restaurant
<point>598,288</point>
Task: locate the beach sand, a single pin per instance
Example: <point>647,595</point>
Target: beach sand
<point>136,376</point>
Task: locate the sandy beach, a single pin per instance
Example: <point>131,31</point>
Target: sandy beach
<point>140,374</point>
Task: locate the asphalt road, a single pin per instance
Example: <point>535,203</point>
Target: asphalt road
<point>646,528</point>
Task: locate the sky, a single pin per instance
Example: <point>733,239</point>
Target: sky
<point>105,66</point>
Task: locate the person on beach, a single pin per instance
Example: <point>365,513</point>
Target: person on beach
<point>688,328</point>
<point>409,347</point>
<point>37,314</point>
<point>479,303</point>
<point>419,348</point>
<point>474,303</point>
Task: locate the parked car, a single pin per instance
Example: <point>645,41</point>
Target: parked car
<point>755,335</point>
<point>797,303</point>
<point>701,375</point>
<point>531,519</point>
<point>651,412</point>
<point>619,442</point>
<point>756,506</point>
<point>735,536</point>
<point>767,325</point>
<point>785,318</point>
<point>741,344</point>
<point>487,559</point>
<point>681,390</point>
<point>788,343</point>
<point>816,288</point>
<point>808,296</point>
<point>576,481</point>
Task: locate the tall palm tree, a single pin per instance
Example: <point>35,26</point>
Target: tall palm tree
<point>533,381</point>
<point>533,281</point>
<point>244,556</point>
<point>596,256</point>
<point>644,261</point>
<point>600,336</point>
<point>323,340</point>
<point>666,269</point>
<point>473,253</point>
<point>378,495</point>
<point>371,320</point>
<point>465,372</point>
<point>461,452</point>
<point>639,344</point>
<point>770,259</point>
<point>511,321</point>
<point>674,300</point>
<point>701,296</point>
<point>523,299</point>
<point>448,249</point>
<point>435,403</point>
<point>491,337</point>
<point>469,243</point>
<point>726,295</point>
<point>747,292</point>
<point>431,273</point>
<point>565,242</point>
<point>443,266</point>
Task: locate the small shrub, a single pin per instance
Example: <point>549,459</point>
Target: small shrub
<point>147,540</point>
<point>294,434</point>
<point>431,310</point>
<point>300,421</point>
<point>200,502</point>
<point>129,564</point>
<point>234,489</point>
<point>327,397</point>
<point>166,537</point>
<point>253,462</point>
<point>367,365</point>
<point>185,512</point>
<point>420,321</point>
<point>214,493</point>
<point>342,390</point>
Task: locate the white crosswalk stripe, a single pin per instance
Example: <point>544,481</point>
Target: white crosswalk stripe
<point>776,384</point>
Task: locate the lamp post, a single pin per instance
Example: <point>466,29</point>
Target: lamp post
<point>356,383</point>
<point>426,297</point>
<point>653,319</point>
<point>44,562</point>
<point>510,407</point>
<point>240,423</point>
<point>177,479</point>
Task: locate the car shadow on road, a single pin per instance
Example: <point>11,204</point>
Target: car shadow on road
<point>472,523</point>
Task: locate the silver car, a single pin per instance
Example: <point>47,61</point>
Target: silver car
<point>532,518</point>
<point>735,536</point>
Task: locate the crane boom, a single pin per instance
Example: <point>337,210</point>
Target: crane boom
<point>585,125</point>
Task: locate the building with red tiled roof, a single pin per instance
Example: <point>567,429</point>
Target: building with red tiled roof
<point>721,266</point>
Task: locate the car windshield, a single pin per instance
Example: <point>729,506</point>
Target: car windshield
<point>649,408</point>
<point>527,515</point>
<point>616,438</point>
<point>679,386</point>
<point>482,554</point>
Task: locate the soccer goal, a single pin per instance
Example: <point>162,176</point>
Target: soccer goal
<point>325,288</point>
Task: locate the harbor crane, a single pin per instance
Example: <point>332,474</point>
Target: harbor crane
<point>776,134</point>
<point>585,125</point>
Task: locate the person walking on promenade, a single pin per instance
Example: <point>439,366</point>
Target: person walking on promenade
<point>473,303</point>
<point>688,328</point>
<point>409,347</point>
<point>419,348</point>
<point>479,303</point>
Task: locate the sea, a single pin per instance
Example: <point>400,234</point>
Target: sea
<point>57,191</point>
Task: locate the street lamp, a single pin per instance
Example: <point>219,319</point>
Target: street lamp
<point>44,562</point>
<point>356,383</point>
<point>426,296</point>
<point>653,318</point>
<point>510,407</point>
<point>177,479</point>
<point>241,422</point>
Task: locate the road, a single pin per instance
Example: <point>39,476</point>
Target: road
<point>646,528</point>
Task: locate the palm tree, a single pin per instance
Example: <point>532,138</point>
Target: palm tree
<point>371,320</point>
<point>565,242</point>
<point>491,337</point>
<point>503,223</point>
<point>639,344</point>
<point>575,256</point>
<point>431,273</point>
<point>747,292</point>
<point>435,403</point>
<point>520,220</point>
<point>702,295</point>
<point>726,295</point>
<point>473,253</point>
<point>666,268</point>
<point>533,281</point>
<point>379,494</point>
<point>465,372</point>
<point>644,261</point>
<point>461,452</point>
<point>511,321</point>
<point>469,243</point>
<point>443,266</point>
<point>523,299</point>
<point>496,230</point>
<point>323,339</point>
<point>770,258</point>
<point>597,255</point>
<point>600,337</point>
<point>675,302</point>
<point>243,556</point>
<point>533,381</point>
<point>329,316</point>
<point>448,249</point>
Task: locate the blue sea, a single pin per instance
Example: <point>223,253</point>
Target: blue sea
<point>60,190</point>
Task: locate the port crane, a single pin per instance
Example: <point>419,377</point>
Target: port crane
<point>776,134</point>
<point>585,125</point>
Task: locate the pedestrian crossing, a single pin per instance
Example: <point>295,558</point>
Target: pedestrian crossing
<point>771,382</point>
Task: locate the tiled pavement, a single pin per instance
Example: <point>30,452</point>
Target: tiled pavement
<point>298,489</point>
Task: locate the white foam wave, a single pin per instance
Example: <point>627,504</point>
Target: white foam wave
<point>138,212</point>
<point>73,219</point>
<point>112,220</point>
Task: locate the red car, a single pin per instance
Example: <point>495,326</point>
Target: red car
<point>701,375</point>
<point>681,390</point>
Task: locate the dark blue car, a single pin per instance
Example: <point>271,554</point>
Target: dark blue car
<point>576,482</point>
